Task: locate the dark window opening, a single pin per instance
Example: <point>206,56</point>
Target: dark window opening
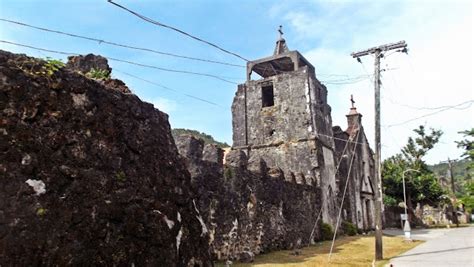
<point>267,96</point>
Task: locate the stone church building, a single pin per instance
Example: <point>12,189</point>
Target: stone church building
<point>283,118</point>
<point>288,167</point>
<point>352,145</point>
<point>286,172</point>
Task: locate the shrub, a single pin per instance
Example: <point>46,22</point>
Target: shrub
<point>349,228</point>
<point>389,201</point>
<point>98,74</point>
<point>326,231</point>
<point>51,66</point>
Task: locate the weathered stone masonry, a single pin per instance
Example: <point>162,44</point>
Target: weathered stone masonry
<point>279,178</point>
<point>248,209</point>
<point>359,200</point>
<point>283,119</point>
<point>89,176</point>
<point>92,175</point>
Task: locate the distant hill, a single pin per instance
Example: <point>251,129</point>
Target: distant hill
<point>207,138</point>
<point>460,172</point>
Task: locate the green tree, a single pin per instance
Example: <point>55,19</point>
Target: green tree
<point>468,198</point>
<point>421,185</point>
<point>417,148</point>
<point>468,145</point>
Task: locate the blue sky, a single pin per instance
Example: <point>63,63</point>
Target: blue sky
<point>437,72</point>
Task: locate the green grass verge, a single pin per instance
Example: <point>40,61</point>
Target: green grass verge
<point>348,251</point>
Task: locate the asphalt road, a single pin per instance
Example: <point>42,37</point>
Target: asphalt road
<point>443,247</point>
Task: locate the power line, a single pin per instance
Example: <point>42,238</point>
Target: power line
<point>168,88</point>
<point>343,198</point>
<point>318,135</point>
<point>340,139</point>
<point>348,80</point>
<point>175,29</point>
<point>138,78</point>
<point>100,41</point>
<point>128,62</point>
<point>469,104</point>
<point>337,169</point>
<point>353,80</point>
<point>418,108</point>
<point>430,108</point>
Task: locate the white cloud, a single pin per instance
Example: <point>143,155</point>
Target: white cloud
<point>437,72</point>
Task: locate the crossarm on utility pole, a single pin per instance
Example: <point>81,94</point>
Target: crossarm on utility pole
<point>381,48</point>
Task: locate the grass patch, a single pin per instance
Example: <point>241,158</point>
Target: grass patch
<point>348,251</point>
<point>438,226</point>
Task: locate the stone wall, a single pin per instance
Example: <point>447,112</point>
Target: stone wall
<point>89,175</point>
<point>247,207</point>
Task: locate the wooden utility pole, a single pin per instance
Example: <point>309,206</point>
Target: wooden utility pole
<point>451,174</point>
<point>378,52</point>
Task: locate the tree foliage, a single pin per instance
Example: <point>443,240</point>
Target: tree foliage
<point>208,139</point>
<point>421,183</point>
<point>417,148</point>
<point>461,171</point>
<point>468,198</point>
<point>468,145</point>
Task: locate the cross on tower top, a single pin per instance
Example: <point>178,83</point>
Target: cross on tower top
<point>352,101</point>
<point>280,47</point>
<point>280,30</point>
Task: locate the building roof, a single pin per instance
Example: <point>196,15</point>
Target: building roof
<point>282,60</point>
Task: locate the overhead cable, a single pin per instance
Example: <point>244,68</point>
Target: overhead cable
<point>343,198</point>
<point>100,41</point>
<point>336,172</point>
<point>458,107</point>
<point>126,61</point>
<point>168,88</point>
<point>176,29</point>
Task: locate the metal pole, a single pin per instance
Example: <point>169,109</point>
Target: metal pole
<point>404,196</point>
<point>406,227</point>
<point>451,175</point>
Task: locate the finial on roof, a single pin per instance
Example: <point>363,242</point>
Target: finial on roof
<point>280,47</point>
<point>353,110</point>
<point>280,30</point>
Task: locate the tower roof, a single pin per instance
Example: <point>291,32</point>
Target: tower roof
<point>283,60</point>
